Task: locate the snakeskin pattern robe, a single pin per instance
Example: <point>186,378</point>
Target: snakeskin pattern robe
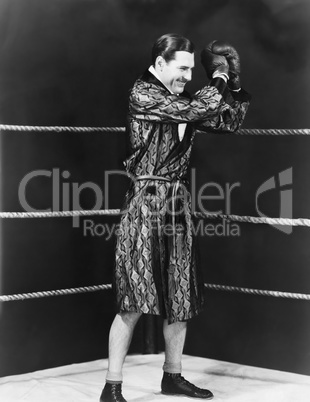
<point>156,270</point>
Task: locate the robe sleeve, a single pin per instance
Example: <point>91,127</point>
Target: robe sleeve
<point>208,109</point>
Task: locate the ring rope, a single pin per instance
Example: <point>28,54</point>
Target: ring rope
<point>59,292</point>
<point>271,131</point>
<point>236,218</point>
<point>61,129</point>
<point>210,286</point>
<point>259,292</point>
<point>58,129</point>
<point>59,214</point>
<point>255,219</point>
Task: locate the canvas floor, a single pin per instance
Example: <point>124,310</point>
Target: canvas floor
<point>142,375</point>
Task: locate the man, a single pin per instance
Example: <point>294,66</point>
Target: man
<point>156,270</point>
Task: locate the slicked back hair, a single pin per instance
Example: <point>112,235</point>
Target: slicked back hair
<point>168,44</point>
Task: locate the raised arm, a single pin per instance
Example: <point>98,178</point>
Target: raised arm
<point>148,101</point>
<point>221,61</point>
<point>207,108</point>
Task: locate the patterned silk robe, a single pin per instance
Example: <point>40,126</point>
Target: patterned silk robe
<point>156,270</point>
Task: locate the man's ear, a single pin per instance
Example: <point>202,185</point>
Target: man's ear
<point>159,63</point>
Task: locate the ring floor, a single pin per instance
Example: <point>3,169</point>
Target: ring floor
<point>83,382</point>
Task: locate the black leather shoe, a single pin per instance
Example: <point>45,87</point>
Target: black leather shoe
<point>175,384</point>
<point>112,393</point>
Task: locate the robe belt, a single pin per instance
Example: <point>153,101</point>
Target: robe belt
<point>175,188</point>
<point>152,177</point>
<point>173,194</point>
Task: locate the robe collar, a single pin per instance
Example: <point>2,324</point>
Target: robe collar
<point>150,78</point>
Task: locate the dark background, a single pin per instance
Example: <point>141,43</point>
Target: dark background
<point>72,62</point>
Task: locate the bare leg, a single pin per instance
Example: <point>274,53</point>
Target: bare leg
<point>173,383</point>
<point>174,335</point>
<point>119,339</point>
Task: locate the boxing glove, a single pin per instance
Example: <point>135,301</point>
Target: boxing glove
<point>232,56</point>
<point>213,62</point>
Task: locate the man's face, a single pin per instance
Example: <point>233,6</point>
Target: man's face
<point>177,72</point>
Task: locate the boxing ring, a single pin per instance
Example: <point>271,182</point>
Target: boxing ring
<point>83,382</point>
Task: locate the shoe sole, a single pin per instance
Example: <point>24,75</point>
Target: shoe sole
<point>188,396</point>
